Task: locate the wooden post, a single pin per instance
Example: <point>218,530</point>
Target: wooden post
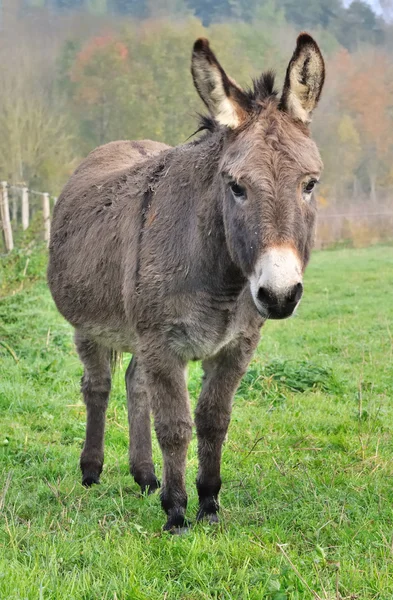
<point>5,217</point>
<point>25,208</point>
<point>14,207</point>
<point>46,212</point>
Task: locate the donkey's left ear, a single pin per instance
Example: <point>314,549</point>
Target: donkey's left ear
<point>304,79</point>
<point>225,100</point>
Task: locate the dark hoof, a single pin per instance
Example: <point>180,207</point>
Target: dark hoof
<point>150,485</point>
<point>89,478</point>
<point>177,524</point>
<point>147,482</point>
<point>179,530</point>
<point>208,509</point>
<point>91,470</point>
<point>211,518</point>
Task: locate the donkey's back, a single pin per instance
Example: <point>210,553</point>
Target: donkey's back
<point>115,157</point>
<point>86,265</point>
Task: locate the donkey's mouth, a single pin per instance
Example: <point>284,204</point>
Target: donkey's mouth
<point>277,311</point>
<point>282,312</point>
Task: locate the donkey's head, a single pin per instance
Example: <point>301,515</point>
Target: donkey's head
<point>268,171</point>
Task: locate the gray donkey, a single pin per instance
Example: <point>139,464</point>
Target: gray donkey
<point>179,254</point>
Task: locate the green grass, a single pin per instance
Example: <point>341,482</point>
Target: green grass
<point>307,498</point>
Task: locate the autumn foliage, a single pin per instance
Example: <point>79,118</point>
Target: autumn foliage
<point>129,78</point>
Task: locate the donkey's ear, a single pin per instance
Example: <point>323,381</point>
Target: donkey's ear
<point>304,79</point>
<point>225,100</point>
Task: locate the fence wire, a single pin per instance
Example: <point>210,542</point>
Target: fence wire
<point>29,215</point>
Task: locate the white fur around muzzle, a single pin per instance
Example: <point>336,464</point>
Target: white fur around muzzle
<point>277,270</point>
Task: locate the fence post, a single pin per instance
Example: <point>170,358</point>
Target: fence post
<point>5,217</point>
<point>14,207</point>
<point>46,211</point>
<point>25,208</point>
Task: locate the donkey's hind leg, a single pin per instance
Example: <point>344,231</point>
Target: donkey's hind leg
<point>96,385</point>
<point>141,462</point>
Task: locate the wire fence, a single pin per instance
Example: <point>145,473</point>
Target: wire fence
<point>26,211</point>
<point>359,225</point>
<point>22,209</point>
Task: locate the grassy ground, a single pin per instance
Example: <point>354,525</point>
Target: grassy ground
<point>307,506</point>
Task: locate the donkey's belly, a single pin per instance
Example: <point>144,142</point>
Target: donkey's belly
<point>123,340</point>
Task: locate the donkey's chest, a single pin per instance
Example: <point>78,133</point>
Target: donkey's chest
<point>204,332</point>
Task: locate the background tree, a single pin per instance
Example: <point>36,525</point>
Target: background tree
<point>120,69</point>
<point>368,94</point>
<point>35,143</point>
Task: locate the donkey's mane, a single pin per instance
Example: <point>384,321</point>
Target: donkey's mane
<point>206,123</point>
<point>262,89</point>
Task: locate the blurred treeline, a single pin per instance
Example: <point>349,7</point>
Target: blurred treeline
<point>78,73</point>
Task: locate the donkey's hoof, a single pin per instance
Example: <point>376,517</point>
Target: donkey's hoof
<point>210,517</point>
<point>177,525</point>
<point>89,478</point>
<point>150,485</point>
<point>208,510</point>
<point>91,470</point>
<point>180,530</point>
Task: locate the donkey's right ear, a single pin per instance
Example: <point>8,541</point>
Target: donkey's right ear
<point>225,100</point>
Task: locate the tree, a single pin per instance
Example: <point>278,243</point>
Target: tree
<point>367,93</point>
<point>96,82</point>
<point>35,143</point>
<point>358,25</point>
<point>348,153</point>
<point>208,11</point>
<point>135,8</point>
<point>310,12</point>
<point>167,8</point>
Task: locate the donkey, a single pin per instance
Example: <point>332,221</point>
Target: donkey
<point>181,254</point>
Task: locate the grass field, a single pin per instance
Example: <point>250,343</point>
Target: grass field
<point>307,498</point>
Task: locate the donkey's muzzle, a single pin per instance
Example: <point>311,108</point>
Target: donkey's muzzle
<point>279,306</point>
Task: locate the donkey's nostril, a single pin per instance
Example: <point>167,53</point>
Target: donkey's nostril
<point>295,293</point>
<point>266,297</point>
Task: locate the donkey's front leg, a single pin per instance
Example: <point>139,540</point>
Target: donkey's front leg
<point>165,378</point>
<point>222,375</point>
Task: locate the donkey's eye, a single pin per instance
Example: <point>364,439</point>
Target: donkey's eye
<point>308,188</point>
<point>238,191</point>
